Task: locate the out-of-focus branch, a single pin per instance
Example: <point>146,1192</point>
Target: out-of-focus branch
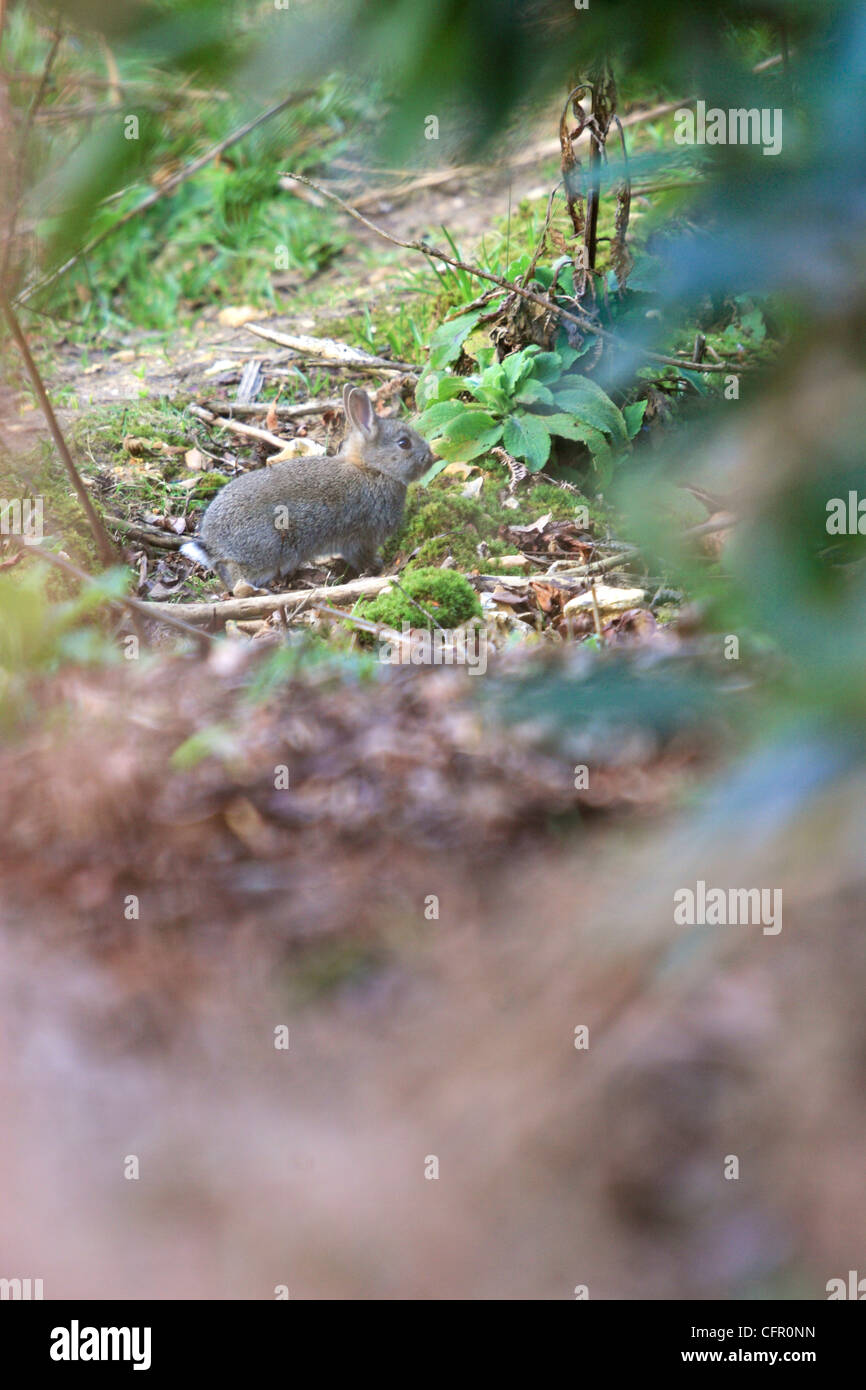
<point>100,535</point>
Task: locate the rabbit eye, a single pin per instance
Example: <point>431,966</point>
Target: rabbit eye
<point>404,442</point>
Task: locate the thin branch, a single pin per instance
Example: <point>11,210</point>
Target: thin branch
<point>586,324</point>
<point>153,535</point>
<point>262,605</point>
<point>329,350</point>
<point>163,191</point>
<point>250,431</point>
<point>100,535</point>
<point>285,412</point>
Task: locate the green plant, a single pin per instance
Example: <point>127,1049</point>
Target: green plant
<point>520,403</point>
<point>424,595</point>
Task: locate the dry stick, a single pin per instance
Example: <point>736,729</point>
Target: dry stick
<point>583,322</point>
<point>596,567</point>
<point>134,604</point>
<point>303,343</point>
<point>163,191</point>
<point>250,431</point>
<point>163,540</point>
<point>285,412</point>
<point>100,535</point>
<point>596,616</point>
<point>262,605</point>
<point>377,629</point>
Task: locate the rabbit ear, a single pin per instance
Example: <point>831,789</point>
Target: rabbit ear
<point>359,411</point>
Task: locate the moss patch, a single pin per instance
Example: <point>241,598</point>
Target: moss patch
<point>444,595</point>
<point>440,521</point>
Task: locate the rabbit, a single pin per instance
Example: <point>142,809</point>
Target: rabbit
<point>265,524</point>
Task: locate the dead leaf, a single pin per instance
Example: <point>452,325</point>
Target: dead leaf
<point>608,599</point>
<point>297,449</point>
<point>195,460</point>
<point>537,525</point>
<point>236,315</point>
<point>459,470</point>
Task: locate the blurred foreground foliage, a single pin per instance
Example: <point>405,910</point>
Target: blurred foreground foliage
<point>788,226</point>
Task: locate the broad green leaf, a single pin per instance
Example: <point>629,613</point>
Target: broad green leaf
<point>696,379</point>
<point>633,415</point>
<point>549,366</point>
<point>534,393</point>
<point>469,425</point>
<point>568,427</point>
<point>437,416</point>
<point>527,438</point>
<point>437,386</point>
<point>433,471</point>
<point>463,451</point>
<point>518,365</point>
<point>586,400</point>
<point>518,267</point>
<point>447,341</point>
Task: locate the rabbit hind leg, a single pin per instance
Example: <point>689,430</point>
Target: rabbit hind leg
<point>362,557</point>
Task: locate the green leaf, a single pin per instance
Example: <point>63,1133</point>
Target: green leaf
<point>448,340</point>
<point>696,379</point>
<point>433,471</point>
<point>534,393</point>
<point>435,418</point>
<point>586,400</point>
<point>472,434</point>
<point>549,366</point>
<point>491,388</point>
<point>469,425</point>
<point>526,437</point>
<point>633,415</point>
<point>518,365</point>
<point>569,428</point>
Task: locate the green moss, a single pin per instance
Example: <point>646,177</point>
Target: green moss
<point>443,594</point>
<point>440,521</point>
<point>209,484</point>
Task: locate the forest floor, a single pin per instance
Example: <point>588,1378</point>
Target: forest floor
<point>407,871</point>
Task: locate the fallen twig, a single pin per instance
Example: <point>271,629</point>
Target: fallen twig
<point>163,540</point>
<point>285,412</point>
<point>262,605</point>
<point>250,431</point>
<point>341,354</point>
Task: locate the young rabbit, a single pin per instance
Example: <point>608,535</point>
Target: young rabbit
<point>267,523</point>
